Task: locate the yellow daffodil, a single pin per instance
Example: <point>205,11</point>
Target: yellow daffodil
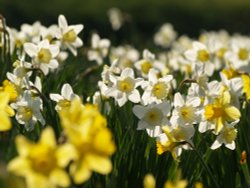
<point>10,88</point>
<point>246,85</point>
<point>5,111</point>
<point>149,181</point>
<point>39,163</point>
<point>221,111</point>
<point>89,138</point>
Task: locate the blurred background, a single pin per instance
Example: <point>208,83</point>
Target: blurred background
<point>189,17</point>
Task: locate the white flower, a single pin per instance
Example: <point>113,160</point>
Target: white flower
<point>174,139</point>
<point>29,111</point>
<point>43,55</point>
<point>32,32</point>
<point>234,86</point>
<point>200,54</point>
<point>99,49</point>
<point>227,136</point>
<point>185,112</point>
<point>116,18</point>
<point>239,55</point>
<point>124,87</point>
<point>148,62</point>
<point>68,34</point>
<point>165,36</point>
<point>126,55</point>
<point>63,100</point>
<point>152,117</point>
<point>156,90</point>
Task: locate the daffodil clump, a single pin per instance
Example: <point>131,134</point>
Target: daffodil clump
<point>117,113</point>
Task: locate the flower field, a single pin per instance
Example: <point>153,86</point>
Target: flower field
<point>96,114</point>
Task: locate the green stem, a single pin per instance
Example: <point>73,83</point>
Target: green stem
<point>206,167</point>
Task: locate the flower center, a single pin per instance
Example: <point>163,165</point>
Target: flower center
<point>64,103</point>
<point>160,90</point>
<point>146,66</point>
<point>203,55</point>
<point>154,116</point>
<point>42,159</point>
<point>243,54</point>
<point>221,52</point>
<point>44,55</point>
<point>126,85</point>
<point>187,113</point>
<point>25,113</point>
<point>229,134</point>
<point>70,36</point>
<point>213,112</point>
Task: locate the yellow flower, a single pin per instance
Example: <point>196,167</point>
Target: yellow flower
<point>172,139</point>
<point>246,85</point>
<point>178,184</point>
<point>149,181</point>
<point>220,111</point>
<point>89,139</point>
<point>39,163</point>
<point>5,112</point>
<point>10,88</point>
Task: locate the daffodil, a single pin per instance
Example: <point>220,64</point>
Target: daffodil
<point>126,55</point>
<point>227,136</point>
<point>149,181</point>
<point>156,89</point>
<point>246,85</point>
<point>218,113</point>
<point>185,112</point>
<point>147,62</point>
<point>28,110</point>
<point>239,54</point>
<point>68,34</point>
<point>5,111</point>
<point>63,100</point>
<point>99,49</point>
<point>165,36</point>
<point>11,89</point>
<point>38,163</point>
<point>90,139</point>
<point>152,117</point>
<point>201,55</point>
<point>173,139</point>
<point>124,87</point>
<point>43,55</point>
<point>116,18</point>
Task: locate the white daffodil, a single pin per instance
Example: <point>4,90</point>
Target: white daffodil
<point>116,18</point>
<point>126,55</point>
<point>227,136</point>
<point>185,112</point>
<point>99,49</point>
<point>174,139</point>
<point>200,54</point>
<point>124,87</point>
<point>148,62</point>
<point>156,90</point>
<point>165,36</point>
<point>43,55</point>
<point>49,33</point>
<point>63,100</point>
<point>68,34</point>
<point>239,54</point>
<point>32,32</point>
<point>234,86</point>
<point>152,117</point>
<point>29,111</point>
